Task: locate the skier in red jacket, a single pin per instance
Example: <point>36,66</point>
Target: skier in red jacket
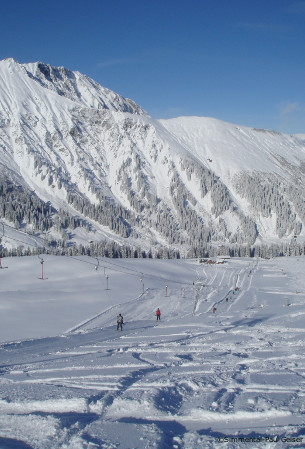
<point>158,313</point>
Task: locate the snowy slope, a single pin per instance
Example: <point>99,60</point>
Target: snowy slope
<point>230,149</point>
<point>197,379</point>
<point>130,178</point>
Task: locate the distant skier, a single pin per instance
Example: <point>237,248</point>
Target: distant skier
<point>214,309</point>
<point>158,313</point>
<point>119,322</point>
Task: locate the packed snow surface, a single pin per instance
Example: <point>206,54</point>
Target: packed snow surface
<point>196,379</point>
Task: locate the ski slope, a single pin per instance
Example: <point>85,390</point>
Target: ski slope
<point>196,379</point>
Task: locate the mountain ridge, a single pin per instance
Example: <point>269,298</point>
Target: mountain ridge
<point>180,183</point>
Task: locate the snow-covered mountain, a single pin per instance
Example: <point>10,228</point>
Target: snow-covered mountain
<point>83,163</point>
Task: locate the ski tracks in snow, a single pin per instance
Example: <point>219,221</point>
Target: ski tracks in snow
<point>179,383</point>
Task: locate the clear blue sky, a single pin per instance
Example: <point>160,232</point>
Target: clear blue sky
<point>240,61</point>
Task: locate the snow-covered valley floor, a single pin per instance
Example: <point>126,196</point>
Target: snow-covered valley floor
<point>196,379</point>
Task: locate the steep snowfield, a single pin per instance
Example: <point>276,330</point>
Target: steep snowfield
<point>194,380</point>
<point>230,149</point>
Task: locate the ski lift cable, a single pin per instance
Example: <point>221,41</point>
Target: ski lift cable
<point>25,243</point>
<point>23,232</point>
<point>124,270</point>
<point>141,273</point>
<point>92,263</point>
<point>21,241</point>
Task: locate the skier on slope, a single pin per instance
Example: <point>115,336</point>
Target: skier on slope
<point>158,313</point>
<point>119,322</point>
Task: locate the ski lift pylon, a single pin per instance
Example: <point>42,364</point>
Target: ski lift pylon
<point>2,232</point>
<point>42,262</point>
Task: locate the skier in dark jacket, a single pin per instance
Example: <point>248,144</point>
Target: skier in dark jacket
<point>119,322</point>
<point>158,313</point>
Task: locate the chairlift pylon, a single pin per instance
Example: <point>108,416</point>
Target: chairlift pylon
<point>42,262</point>
<point>2,232</point>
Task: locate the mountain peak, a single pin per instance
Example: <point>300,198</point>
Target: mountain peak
<point>80,88</point>
<point>8,61</point>
<point>75,86</point>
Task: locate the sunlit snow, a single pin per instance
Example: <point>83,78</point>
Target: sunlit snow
<point>196,379</point>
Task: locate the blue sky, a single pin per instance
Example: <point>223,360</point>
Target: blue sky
<point>238,61</point>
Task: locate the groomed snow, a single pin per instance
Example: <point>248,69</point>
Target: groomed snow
<point>194,380</point>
